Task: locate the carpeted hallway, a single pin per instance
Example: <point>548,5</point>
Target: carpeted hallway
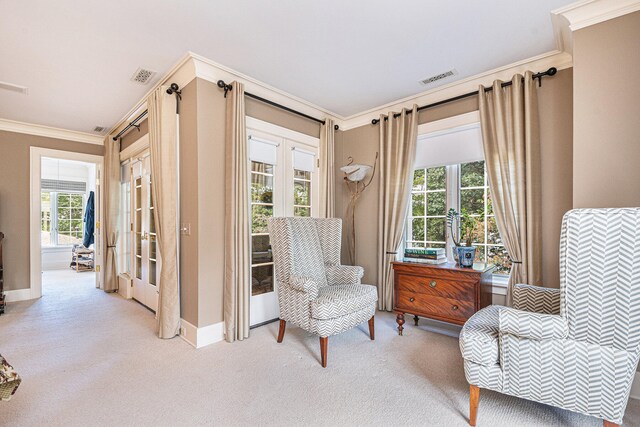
<point>88,358</point>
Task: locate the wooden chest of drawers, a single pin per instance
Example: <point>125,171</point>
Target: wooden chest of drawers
<point>445,292</point>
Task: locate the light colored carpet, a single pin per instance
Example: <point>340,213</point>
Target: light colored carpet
<point>89,358</point>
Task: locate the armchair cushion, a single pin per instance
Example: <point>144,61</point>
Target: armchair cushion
<point>337,301</point>
<point>533,326</point>
<point>536,299</point>
<point>304,284</point>
<point>344,274</point>
<point>479,337</point>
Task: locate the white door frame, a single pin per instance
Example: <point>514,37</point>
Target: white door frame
<point>35,246</point>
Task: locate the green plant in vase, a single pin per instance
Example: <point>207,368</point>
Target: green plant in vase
<point>465,229</point>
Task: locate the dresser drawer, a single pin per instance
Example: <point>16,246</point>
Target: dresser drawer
<point>446,288</point>
<point>431,305</point>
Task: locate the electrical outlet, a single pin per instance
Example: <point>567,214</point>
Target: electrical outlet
<point>183,331</point>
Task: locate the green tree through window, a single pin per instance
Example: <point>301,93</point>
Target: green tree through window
<point>430,201</point>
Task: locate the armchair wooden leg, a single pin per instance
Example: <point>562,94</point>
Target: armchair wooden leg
<point>474,399</point>
<point>323,350</point>
<point>372,329</point>
<point>610,424</point>
<point>283,325</point>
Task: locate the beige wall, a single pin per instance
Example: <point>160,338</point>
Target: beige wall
<point>556,139</point>
<point>607,114</point>
<point>188,203</point>
<point>202,162</point>
<point>14,199</point>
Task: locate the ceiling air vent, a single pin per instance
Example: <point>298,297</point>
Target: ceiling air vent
<point>99,129</point>
<point>14,88</point>
<point>438,77</point>
<point>142,76</point>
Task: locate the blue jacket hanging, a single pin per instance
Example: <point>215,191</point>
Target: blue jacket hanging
<point>88,222</point>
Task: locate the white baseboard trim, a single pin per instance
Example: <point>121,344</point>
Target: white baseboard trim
<point>635,387</point>
<point>18,295</point>
<point>200,337</point>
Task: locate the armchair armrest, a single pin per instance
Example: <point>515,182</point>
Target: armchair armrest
<point>304,284</point>
<point>533,326</point>
<point>344,274</point>
<point>536,299</point>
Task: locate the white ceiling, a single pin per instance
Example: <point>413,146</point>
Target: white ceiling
<point>76,57</point>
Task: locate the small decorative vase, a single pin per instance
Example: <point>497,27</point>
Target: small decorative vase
<point>466,255</point>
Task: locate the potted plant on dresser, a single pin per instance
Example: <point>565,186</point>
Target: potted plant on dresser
<point>465,229</point>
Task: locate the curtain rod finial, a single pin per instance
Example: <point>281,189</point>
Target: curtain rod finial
<point>552,71</point>
<point>374,121</point>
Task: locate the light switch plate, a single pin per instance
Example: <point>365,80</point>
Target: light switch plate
<point>185,229</point>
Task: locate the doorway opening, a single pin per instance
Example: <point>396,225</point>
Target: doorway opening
<point>63,184</point>
<point>67,225</point>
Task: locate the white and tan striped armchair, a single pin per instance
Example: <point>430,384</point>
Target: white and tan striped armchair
<point>576,347</point>
<point>315,292</point>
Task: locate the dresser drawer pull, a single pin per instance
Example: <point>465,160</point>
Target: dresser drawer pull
<point>432,283</point>
<point>412,299</point>
<point>454,307</point>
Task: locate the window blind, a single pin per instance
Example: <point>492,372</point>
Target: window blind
<point>59,185</point>
<point>303,160</point>
<point>461,145</point>
<point>262,150</point>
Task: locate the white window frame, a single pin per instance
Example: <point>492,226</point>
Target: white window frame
<point>453,185</point>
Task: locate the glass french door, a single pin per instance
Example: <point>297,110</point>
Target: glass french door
<point>284,179</point>
<point>145,254</point>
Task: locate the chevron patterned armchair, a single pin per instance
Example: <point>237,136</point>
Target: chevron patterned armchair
<point>576,347</point>
<point>315,292</point>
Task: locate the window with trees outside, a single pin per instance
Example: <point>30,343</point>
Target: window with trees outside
<point>61,218</point>
<point>461,187</point>
<point>262,180</point>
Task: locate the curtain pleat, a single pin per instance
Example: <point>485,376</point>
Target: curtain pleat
<point>398,137</point>
<point>237,272</point>
<point>112,212</point>
<point>163,149</point>
<point>327,170</point>
<point>511,142</point>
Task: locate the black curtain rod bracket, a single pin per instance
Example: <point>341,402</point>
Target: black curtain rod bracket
<point>173,88</point>
<point>550,72</point>
<point>228,87</point>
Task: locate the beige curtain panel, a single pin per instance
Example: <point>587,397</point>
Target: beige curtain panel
<point>327,170</point>
<point>163,149</point>
<point>398,137</point>
<point>112,212</point>
<point>237,271</point>
<point>511,141</point>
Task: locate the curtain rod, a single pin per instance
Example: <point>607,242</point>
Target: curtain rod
<point>228,87</point>
<point>134,123</point>
<point>550,72</point>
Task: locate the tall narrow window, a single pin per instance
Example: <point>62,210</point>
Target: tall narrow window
<point>45,219</point>
<point>428,208</point>
<point>475,197</point>
<point>262,177</point>
<point>302,170</point>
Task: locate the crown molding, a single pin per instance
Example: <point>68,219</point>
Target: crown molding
<point>50,132</point>
<point>212,71</point>
<point>558,59</point>
<point>584,14</point>
<point>181,73</point>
